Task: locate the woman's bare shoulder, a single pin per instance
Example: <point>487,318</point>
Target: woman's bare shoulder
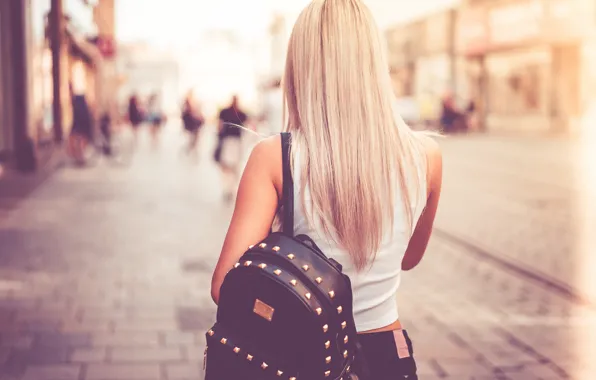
<point>266,155</point>
<point>434,159</point>
<point>268,149</point>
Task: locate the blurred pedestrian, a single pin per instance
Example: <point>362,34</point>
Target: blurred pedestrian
<point>135,114</point>
<point>366,190</point>
<point>452,120</point>
<point>155,117</point>
<point>81,132</point>
<point>192,120</point>
<point>472,116</point>
<point>229,148</point>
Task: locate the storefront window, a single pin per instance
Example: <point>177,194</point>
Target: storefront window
<point>518,82</point>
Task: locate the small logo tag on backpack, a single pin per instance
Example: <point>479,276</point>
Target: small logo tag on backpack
<point>263,310</point>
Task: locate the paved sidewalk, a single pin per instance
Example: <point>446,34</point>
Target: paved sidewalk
<point>105,274</point>
<point>531,201</point>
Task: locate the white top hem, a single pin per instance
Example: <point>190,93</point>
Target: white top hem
<point>383,321</point>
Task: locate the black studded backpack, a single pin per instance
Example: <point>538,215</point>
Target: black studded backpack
<point>285,310</point>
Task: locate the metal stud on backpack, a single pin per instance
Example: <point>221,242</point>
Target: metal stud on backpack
<point>285,310</point>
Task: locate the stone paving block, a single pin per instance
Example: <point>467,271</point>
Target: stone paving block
<point>55,307</point>
<point>426,368</point>
<point>4,355</point>
<point>428,347</point>
<point>181,338</point>
<point>461,369</point>
<point>18,304</point>
<point>89,355</point>
<point>195,353</point>
<point>145,325</point>
<point>6,316</point>
<point>74,326</point>
<point>503,354</point>
<point>16,340</point>
<point>36,315</point>
<point>194,319</point>
<point>184,371</point>
<point>146,355</point>
<point>534,371</point>
<point>136,313</point>
<point>101,315</point>
<point>59,339</point>
<point>123,372</point>
<point>53,372</point>
<point>127,339</point>
<point>41,355</point>
<point>40,325</point>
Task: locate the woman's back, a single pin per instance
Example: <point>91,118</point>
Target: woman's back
<point>375,287</point>
<point>366,186</point>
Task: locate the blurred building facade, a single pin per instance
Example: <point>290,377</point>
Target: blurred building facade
<point>523,63</point>
<point>48,50</point>
<point>422,60</point>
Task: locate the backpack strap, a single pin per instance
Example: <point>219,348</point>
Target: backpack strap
<point>288,187</point>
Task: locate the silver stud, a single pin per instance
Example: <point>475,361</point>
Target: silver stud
<point>236,265</point>
<point>251,246</point>
<point>319,311</point>
<point>276,248</point>
<point>292,378</point>
<point>327,373</point>
<point>279,373</point>
<point>249,357</point>
<point>294,282</point>
<point>210,332</point>
<point>328,359</point>
<point>339,309</point>
<point>332,294</point>
<point>262,265</point>
<point>343,325</point>
<point>307,295</point>
<point>348,369</point>
<point>223,341</point>
<point>305,267</point>
<point>263,245</point>
<point>236,350</point>
<point>345,353</point>
<point>277,272</point>
<point>264,365</point>
<point>325,328</point>
<point>291,256</point>
<point>247,263</point>
<point>346,339</point>
<point>327,344</point>
<point>318,280</point>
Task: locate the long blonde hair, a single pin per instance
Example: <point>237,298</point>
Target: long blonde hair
<point>339,109</point>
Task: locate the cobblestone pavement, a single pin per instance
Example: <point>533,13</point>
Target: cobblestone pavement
<point>104,272</point>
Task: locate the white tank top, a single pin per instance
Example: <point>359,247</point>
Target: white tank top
<point>374,288</point>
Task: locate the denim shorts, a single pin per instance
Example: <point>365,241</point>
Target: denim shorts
<point>388,356</point>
